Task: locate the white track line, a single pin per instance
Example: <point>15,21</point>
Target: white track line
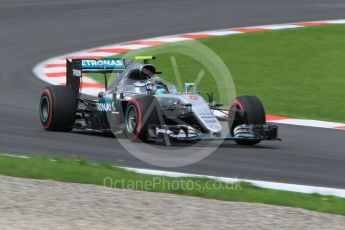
<point>261,184</point>
<point>16,156</point>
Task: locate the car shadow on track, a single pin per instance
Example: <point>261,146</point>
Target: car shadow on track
<point>94,133</point>
<point>224,144</point>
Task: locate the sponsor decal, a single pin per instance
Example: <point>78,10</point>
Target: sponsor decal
<point>163,131</point>
<point>211,121</point>
<point>103,64</point>
<point>76,73</point>
<point>207,115</point>
<point>105,106</point>
<point>193,97</point>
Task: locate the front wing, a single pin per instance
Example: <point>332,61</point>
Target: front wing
<point>183,133</point>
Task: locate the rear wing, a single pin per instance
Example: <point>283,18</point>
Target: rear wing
<point>75,69</point>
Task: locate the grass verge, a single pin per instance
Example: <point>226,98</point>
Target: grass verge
<point>82,171</point>
<point>295,72</point>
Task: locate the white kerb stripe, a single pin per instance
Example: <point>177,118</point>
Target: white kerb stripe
<point>54,69</point>
<point>310,123</point>
<point>280,27</point>
<point>128,46</point>
<point>262,184</point>
<point>341,21</point>
<point>99,54</point>
<point>168,39</point>
<point>221,32</point>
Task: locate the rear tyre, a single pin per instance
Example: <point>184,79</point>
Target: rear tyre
<point>57,108</point>
<point>246,110</point>
<point>139,114</point>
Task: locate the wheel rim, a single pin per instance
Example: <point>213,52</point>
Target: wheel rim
<point>44,109</point>
<point>131,119</point>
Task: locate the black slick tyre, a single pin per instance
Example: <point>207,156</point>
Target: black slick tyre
<point>57,109</point>
<point>246,110</point>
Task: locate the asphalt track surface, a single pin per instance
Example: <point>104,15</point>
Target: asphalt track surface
<point>32,31</point>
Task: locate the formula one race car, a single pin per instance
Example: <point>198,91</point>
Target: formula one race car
<point>141,106</point>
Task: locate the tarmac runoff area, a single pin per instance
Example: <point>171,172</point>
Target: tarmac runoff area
<point>37,204</point>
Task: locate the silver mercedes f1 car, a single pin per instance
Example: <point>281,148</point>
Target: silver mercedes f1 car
<point>141,106</point>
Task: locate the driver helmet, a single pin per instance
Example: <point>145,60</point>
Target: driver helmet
<point>160,86</point>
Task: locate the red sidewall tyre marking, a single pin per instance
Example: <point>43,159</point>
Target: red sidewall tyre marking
<point>139,126</point>
<point>237,104</point>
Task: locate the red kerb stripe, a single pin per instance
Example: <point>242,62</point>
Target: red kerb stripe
<point>56,74</point>
<point>55,65</point>
<point>149,43</point>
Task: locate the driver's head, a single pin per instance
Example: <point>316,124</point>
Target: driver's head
<point>160,86</point>
<point>158,81</point>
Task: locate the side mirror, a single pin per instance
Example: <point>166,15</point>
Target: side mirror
<point>190,87</point>
<point>100,94</point>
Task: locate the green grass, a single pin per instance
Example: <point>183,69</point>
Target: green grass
<point>296,72</point>
<point>83,171</point>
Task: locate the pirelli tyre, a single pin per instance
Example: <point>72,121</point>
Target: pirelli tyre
<point>57,109</point>
<point>140,113</point>
<point>246,110</point>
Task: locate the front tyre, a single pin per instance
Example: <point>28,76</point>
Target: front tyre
<point>57,108</point>
<point>246,110</point>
